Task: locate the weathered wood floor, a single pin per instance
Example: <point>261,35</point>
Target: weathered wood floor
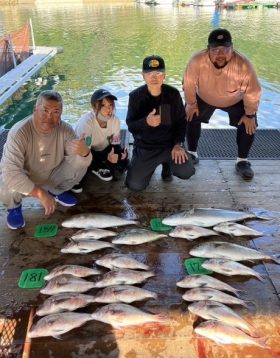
<point>214,185</point>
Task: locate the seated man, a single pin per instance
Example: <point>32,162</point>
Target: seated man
<point>156,118</point>
<point>42,158</point>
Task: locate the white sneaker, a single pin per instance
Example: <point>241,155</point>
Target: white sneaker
<point>103,174</point>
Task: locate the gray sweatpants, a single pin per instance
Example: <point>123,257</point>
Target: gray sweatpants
<point>62,178</point>
<point>144,162</point>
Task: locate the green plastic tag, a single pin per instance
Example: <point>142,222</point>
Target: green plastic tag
<point>194,267</point>
<point>88,141</point>
<point>32,278</point>
<point>157,225</point>
<point>46,230</point>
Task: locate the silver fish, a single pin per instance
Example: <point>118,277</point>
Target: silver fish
<point>191,232</point>
<point>113,261</point>
<point>205,217</point>
<point>222,333</point>
<point>220,312</point>
<point>230,268</point>
<point>211,294</point>
<point>69,301</point>
<point>123,277</point>
<point>123,293</point>
<point>226,250</point>
<point>85,246</point>
<point>75,270</point>
<point>137,236</point>
<point>56,324</point>
<point>205,281</point>
<point>92,220</point>
<point>121,315</point>
<point>235,229</point>
<point>94,233</point>
<point>66,283</point>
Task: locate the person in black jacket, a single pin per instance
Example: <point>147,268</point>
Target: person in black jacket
<point>156,117</point>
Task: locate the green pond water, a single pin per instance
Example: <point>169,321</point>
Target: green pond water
<point>104,45</point>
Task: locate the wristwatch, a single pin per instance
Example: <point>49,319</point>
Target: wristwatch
<point>252,116</point>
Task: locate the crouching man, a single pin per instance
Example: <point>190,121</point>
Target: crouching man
<point>42,158</point>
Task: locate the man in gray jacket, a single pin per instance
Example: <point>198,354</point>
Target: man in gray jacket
<point>42,158</point>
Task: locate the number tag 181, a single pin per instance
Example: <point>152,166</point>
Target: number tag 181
<point>32,278</point>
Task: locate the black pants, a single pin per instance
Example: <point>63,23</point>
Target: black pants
<point>144,162</point>
<point>244,141</point>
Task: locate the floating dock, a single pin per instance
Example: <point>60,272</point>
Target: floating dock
<point>15,78</point>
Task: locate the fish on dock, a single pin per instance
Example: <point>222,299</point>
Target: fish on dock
<point>123,293</point>
<point>116,261</point>
<point>230,268</point>
<point>137,236</point>
<point>120,315</point>
<point>94,233</point>
<point>205,281</point>
<point>205,217</point>
<point>235,229</point>
<point>66,283</point>
<point>58,323</point>
<point>96,220</point>
<point>227,250</point>
<point>123,277</point>
<point>212,310</point>
<point>75,270</point>
<point>69,301</point>
<point>222,333</point>
<point>85,246</point>
<point>191,232</point>
<point>211,294</point>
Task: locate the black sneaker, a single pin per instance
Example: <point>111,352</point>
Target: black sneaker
<point>195,159</point>
<point>103,174</point>
<point>166,174</point>
<point>243,168</point>
<point>77,188</point>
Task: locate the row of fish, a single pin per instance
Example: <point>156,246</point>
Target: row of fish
<point>223,325</point>
<point>67,286</point>
<point>203,217</point>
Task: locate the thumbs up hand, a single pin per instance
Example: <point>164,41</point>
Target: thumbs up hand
<point>153,119</point>
<point>79,146</point>
<point>112,156</point>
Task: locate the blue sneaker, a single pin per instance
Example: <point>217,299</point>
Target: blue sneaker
<point>15,219</point>
<point>65,199</point>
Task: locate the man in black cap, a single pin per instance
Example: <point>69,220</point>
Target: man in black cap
<point>221,78</point>
<point>156,118</point>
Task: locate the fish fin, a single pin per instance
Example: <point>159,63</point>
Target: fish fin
<point>262,342</point>
<point>276,258</point>
<point>260,277</point>
<point>57,337</point>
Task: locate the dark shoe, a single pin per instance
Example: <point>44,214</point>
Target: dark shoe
<point>195,159</point>
<point>15,219</point>
<point>103,174</point>
<point>65,199</point>
<point>166,174</point>
<point>244,169</point>
<point>77,188</point>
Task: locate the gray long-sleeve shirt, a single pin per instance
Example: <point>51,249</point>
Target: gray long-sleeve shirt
<point>29,157</point>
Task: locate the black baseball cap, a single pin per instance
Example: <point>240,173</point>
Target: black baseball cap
<point>153,63</point>
<point>101,93</point>
<point>219,37</point>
